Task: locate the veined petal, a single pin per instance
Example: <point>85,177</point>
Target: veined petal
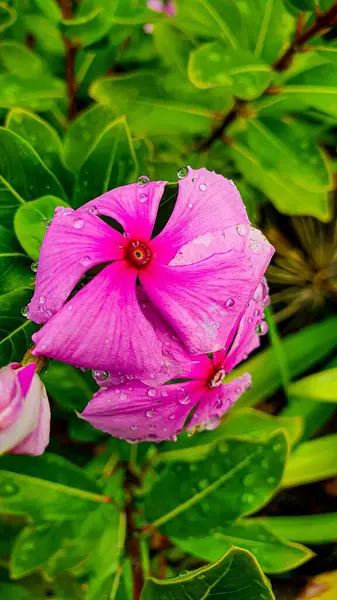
<point>214,403</point>
<point>138,412</point>
<point>36,442</point>
<point>134,206</point>
<point>206,202</point>
<point>203,301</point>
<point>75,242</point>
<point>103,327</point>
<point>10,396</point>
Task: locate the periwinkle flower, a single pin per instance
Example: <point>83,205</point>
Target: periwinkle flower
<point>24,411</point>
<point>200,273</point>
<point>148,412</point>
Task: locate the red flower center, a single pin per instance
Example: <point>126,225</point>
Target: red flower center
<point>138,254</point>
<point>217,378</point>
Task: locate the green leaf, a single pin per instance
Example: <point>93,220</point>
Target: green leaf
<point>87,28</point>
<point>83,133</point>
<point>311,529</point>
<point>46,33</point>
<point>9,591</point>
<point>319,386</point>
<point>15,270</point>
<point>274,553</point>
<point>50,8</point>
<point>7,16</point>
<point>15,330</point>
<point>29,222</point>
<point>208,492</point>
<point>69,387</point>
<point>212,18</point>
<point>303,349</point>
<point>213,65</point>
<point>23,175</point>
<point>149,109</point>
<point>269,27</point>
<point>37,94</point>
<point>43,138</point>
<point>229,577</point>
<point>312,461</point>
<point>18,60</point>
<point>46,487</point>
<point>316,87</point>
<point>111,163</point>
<point>303,4</point>
<point>35,546</point>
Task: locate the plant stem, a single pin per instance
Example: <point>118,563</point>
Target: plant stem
<point>323,22</point>
<point>71,51</point>
<point>145,557</point>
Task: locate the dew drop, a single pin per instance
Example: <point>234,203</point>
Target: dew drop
<point>262,328</point>
<point>93,210</point>
<point>242,230</point>
<point>212,422</point>
<point>8,487</point>
<point>248,479</point>
<point>172,417</point>
<point>78,223</point>
<point>143,198</point>
<point>149,413</point>
<point>101,375</point>
<point>151,392</point>
<point>152,427</point>
<point>42,299</point>
<point>190,205</point>
<point>185,400</point>
<point>248,498</point>
<point>24,311</point>
<point>47,223</point>
<point>218,403</point>
<point>123,397</point>
<point>143,179</point>
<point>69,307</point>
<point>126,235</point>
<point>34,266</point>
<point>133,427</point>
<point>250,320</point>
<point>40,309</point>
<point>49,312</point>
<point>230,303</point>
<point>85,261</point>
<point>182,172</point>
<point>203,187</point>
<point>164,393</point>
<point>117,391</point>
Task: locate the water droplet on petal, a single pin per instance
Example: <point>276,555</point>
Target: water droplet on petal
<point>47,223</point>
<point>85,261</point>
<point>185,400</point>
<point>134,427</point>
<point>152,427</point>
<point>93,210</point>
<point>143,179</point>
<point>203,187</point>
<point>123,397</point>
<point>212,422</point>
<point>250,320</point>
<point>262,328</point>
<point>40,309</point>
<point>149,413</point>
<point>242,230</point>
<point>218,403</point>
<point>143,198</point>
<point>69,307</point>
<point>182,172</point>
<point>190,205</point>
<point>34,266</point>
<point>230,303</point>
<point>49,312</point>
<point>151,393</point>
<point>42,299</point>
<point>101,375</point>
<point>172,417</point>
<point>24,311</point>
<point>164,393</point>
<point>117,391</point>
<point>126,235</point>
<point>256,312</point>
<point>78,223</point>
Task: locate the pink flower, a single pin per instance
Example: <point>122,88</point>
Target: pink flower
<point>24,411</point>
<point>200,273</point>
<point>160,6</point>
<point>139,412</point>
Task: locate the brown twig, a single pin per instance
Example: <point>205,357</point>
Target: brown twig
<point>71,51</point>
<point>323,22</point>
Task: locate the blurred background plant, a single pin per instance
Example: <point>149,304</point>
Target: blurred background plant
<point>91,97</point>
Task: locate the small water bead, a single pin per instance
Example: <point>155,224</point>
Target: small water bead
<point>250,320</point>
<point>149,413</point>
<point>78,223</point>
<point>242,230</point>
<point>262,328</point>
<point>24,311</point>
<point>123,397</point>
<point>190,205</point>
<point>69,307</point>
<point>143,198</point>
<point>256,312</point>
<point>164,393</point>
<point>203,187</point>
<point>133,427</point>
<point>117,391</point>
<point>143,179</point>
<point>126,235</point>
<point>93,210</point>
<point>34,266</point>
<point>152,427</point>
<point>42,299</point>
<point>172,417</point>
<point>218,403</point>
<point>212,422</point>
<point>230,303</point>
<point>85,261</point>
<point>182,172</point>
<point>40,309</point>
<point>185,400</point>
<point>49,312</point>
<point>151,393</point>
<point>47,223</point>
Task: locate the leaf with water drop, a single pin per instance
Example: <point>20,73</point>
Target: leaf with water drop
<point>15,329</point>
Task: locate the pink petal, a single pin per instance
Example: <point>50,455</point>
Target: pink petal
<point>75,242</point>
<point>25,376</point>
<point>11,398</point>
<point>214,403</point>
<point>170,8</point>
<point>138,412</point>
<point>202,302</point>
<point>103,327</point>
<point>36,442</point>
<point>134,206</point>
<point>206,202</point>
<point>157,5</point>
<point>260,252</point>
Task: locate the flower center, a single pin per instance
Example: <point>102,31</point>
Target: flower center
<point>138,253</point>
<point>217,378</point>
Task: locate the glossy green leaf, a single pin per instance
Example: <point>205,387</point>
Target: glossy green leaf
<point>18,60</point>
<point>87,28</point>
<point>212,18</point>
<point>319,386</point>
<point>230,577</point>
<point>208,492</point>
<point>69,387</point>
<point>14,264</point>
<point>274,553</point>
<point>83,134</point>
<point>10,591</point>
<point>43,138</point>
<point>111,163</point>
<point>213,65</point>
<point>15,330</point>
<point>46,488</point>
<point>311,529</point>
<point>47,35</point>
<point>312,461</point>
<point>303,349</point>
<point>7,16</point>
<point>303,4</point>
<point>316,87</point>
<point>29,222</point>
<point>50,8</point>
<point>268,26</point>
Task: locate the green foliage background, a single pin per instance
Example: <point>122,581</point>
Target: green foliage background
<point>89,101</point>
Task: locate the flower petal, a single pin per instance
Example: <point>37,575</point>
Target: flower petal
<point>203,301</point>
<point>74,242</point>
<point>214,403</point>
<point>206,202</point>
<point>138,412</point>
<point>134,206</point>
<point>103,327</point>
<point>36,442</point>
